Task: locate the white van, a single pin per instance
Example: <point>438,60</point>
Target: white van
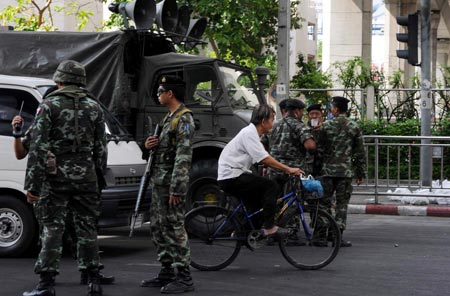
<point>18,227</point>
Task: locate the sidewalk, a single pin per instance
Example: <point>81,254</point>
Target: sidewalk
<point>363,204</point>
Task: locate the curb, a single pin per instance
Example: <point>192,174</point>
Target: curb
<point>399,210</point>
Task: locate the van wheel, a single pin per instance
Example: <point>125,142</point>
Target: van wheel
<point>18,228</point>
<point>203,187</point>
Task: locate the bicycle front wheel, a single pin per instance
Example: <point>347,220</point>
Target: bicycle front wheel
<point>312,244</point>
<point>214,244</point>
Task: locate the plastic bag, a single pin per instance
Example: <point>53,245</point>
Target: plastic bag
<point>313,186</point>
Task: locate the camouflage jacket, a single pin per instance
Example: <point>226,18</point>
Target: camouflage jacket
<point>286,143</point>
<point>173,157</point>
<point>344,154</point>
<point>78,142</point>
<point>314,160</point>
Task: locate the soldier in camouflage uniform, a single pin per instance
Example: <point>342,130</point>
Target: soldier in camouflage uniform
<point>344,157</point>
<point>21,144</point>
<point>314,159</point>
<point>265,137</point>
<point>70,125</point>
<point>289,141</point>
<point>170,181</point>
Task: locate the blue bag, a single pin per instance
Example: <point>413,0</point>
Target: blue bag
<point>313,186</point>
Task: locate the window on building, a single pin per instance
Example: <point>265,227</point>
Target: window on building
<point>311,31</point>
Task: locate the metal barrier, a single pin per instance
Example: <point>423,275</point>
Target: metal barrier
<point>394,162</point>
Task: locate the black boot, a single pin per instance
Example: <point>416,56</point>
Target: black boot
<point>183,283</point>
<point>165,276</point>
<point>104,279</point>
<point>45,286</point>
<point>94,287</point>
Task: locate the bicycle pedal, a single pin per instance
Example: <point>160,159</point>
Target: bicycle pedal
<point>256,239</point>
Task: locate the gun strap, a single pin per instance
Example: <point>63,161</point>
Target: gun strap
<point>174,123</point>
<point>76,141</point>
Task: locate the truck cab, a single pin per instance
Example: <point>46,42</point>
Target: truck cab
<point>18,226</point>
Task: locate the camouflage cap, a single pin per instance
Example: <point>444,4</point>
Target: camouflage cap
<point>70,72</point>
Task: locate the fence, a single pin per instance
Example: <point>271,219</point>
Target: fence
<point>394,162</point>
<point>387,104</point>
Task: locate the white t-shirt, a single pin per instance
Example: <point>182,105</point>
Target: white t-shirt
<point>244,150</point>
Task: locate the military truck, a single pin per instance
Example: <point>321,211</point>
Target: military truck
<point>123,68</point>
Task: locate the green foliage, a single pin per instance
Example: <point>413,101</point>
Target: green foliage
<point>401,161</point>
<point>308,76</point>
<point>115,20</point>
<point>29,15</point>
<point>356,74</point>
<point>240,31</point>
<point>73,8</point>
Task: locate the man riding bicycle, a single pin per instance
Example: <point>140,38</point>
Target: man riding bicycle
<point>236,178</point>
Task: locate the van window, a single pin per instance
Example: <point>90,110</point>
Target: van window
<point>10,102</point>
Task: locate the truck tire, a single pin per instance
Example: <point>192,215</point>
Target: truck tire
<point>18,228</point>
<point>203,187</point>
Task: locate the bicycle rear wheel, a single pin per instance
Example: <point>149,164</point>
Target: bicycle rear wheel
<point>212,248</point>
<point>314,245</point>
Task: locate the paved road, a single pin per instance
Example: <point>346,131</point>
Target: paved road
<point>391,255</point>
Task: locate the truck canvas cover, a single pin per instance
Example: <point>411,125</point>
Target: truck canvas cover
<point>38,54</point>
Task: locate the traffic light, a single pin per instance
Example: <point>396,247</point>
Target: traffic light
<point>411,23</point>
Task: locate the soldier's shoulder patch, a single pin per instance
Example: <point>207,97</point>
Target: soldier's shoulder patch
<point>187,126</point>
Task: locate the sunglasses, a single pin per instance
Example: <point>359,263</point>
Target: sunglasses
<point>161,91</point>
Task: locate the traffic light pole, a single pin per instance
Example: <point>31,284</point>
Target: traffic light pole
<point>425,93</point>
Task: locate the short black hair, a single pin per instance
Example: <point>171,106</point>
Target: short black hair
<point>261,112</point>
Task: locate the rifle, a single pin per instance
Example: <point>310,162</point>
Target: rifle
<point>136,217</point>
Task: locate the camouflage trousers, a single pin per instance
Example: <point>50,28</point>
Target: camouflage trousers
<point>69,236</point>
<point>167,227</point>
<point>53,208</point>
<point>343,189</point>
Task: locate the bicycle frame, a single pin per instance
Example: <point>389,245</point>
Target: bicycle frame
<point>291,197</point>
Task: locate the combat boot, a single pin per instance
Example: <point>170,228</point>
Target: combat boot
<point>165,276</point>
<point>183,283</point>
<point>94,287</point>
<point>344,243</point>
<point>45,286</point>
<point>104,279</point>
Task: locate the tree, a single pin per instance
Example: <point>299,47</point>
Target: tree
<point>308,76</point>
<point>242,31</point>
<point>34,15</point>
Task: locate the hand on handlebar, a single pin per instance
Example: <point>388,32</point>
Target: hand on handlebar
<point>295,171</point>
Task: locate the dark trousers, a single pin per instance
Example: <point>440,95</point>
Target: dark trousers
<point>256,192</point>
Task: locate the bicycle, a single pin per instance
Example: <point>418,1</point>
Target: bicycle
<point>216,234</point>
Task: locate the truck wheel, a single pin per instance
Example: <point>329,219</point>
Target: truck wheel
<point>203,188</point>
<point>18,228</point>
